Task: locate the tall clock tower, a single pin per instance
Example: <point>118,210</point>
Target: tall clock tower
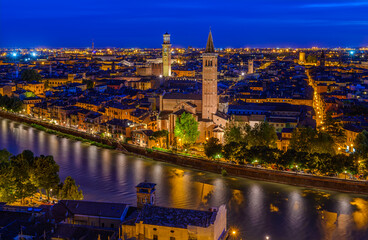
<point>209,81</point>
<point>166,56</point>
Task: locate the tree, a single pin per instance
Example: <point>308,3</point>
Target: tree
<point>30,75</point>
<point>159,135</point>
<point>212,148</point>
<point>46,173</point>
<point>361,145</point>
<point>69,190</point>
<point>233,151</point>
<point>13,104</point>
<point>264,155</point>
<point>311,141</point>
<point>323,143</point>
<point>186,129</point>
<point>262,134</point>
<point>21,169</point>
<point>335,130</point>
<point>6,179</point>
<point>233,133</point>
<point>90,84</point>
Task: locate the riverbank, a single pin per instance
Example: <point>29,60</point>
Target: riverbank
<point>351,186</point>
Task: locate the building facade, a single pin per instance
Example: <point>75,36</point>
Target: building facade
<point>166,56</point>
<point>209,80</point>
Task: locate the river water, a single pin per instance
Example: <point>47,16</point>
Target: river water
<point>256,209</point>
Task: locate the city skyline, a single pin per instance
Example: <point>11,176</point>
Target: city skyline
<point>128,25</point>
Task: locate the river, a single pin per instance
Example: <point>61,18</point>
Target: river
<point>256,209</point>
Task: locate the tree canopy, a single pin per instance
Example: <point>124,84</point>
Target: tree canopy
<point>160,136</point>
<point>30,75</point>
<point>69,190</point>
<point>186,129</point>
<point>261,135</point>
<point>361,145</point>
<point>21,175</point>
<point>311,141</point>
<point>11,104</point>
<point>213,148</point>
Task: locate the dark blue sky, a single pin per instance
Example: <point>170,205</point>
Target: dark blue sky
<point>141,23</point>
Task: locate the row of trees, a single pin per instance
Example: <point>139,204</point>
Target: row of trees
<point>22,175</point>
<point>11,104</point>
<point>309,149</point>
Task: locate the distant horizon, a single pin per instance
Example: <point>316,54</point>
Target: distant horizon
<point>174,46</point>
<point>236,24</point>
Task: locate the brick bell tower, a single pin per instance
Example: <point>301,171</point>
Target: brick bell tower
<point>166,56</point>
<point>209,80</point>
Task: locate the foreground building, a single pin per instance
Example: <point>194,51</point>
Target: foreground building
<point>77,219</point>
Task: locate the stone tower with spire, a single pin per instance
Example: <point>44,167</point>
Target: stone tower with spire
<point>209,80</point>
<point>166,56</point>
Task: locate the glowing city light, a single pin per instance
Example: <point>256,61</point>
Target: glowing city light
<point>14,54</point>
<point>33,54</point>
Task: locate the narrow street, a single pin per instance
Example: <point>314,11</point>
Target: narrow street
<point>317,101</point>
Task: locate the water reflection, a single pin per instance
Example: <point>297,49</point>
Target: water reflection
<point>255,208</point>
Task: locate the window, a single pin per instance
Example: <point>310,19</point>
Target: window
<point>172,238</point>
<point>155,237</point>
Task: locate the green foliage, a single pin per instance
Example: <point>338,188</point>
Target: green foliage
<point>160,136</point>
<point>233,133</point>
<point>21,170</point>
<point>69,190</point>
<point>311,141</point>
<point>90,84</point>
<point>335,130</point>
<point>261,135</point>
<point>361,145</point>
<point>11,104</point>
<point>21,175</point>
<point>224,172</point>
<point>320,163</point>
<point>6,178</point>
<point>186,129</point>
<point>30,75</point>
<point>212,148</point>
<point>46,173</point>
<point>263,154</point>
<point>234,151</point>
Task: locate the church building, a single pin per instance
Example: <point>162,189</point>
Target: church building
<point>204,106</point>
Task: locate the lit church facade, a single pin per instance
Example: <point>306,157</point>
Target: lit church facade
<point>204,106</point>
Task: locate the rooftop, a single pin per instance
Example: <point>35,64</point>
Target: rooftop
<point>176,217</point>
<point>102,209</point>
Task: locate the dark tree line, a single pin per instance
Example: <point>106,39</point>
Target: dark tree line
<point>22,175</point>
<point>11,103</point>
<point>310,150</point>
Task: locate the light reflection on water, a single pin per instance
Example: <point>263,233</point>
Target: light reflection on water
<point>255,208</point>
